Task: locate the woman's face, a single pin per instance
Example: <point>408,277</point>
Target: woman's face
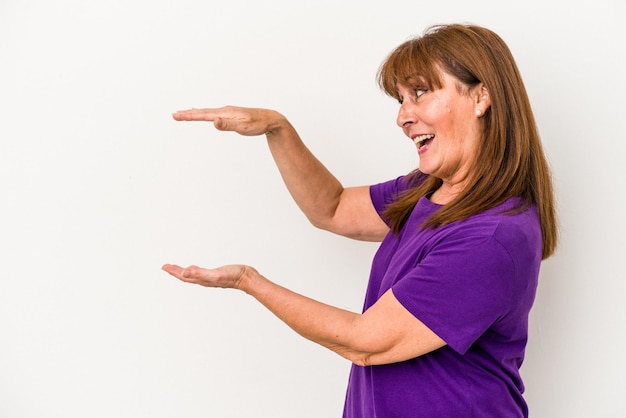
<point>445,127</point>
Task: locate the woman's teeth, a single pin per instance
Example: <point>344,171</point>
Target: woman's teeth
<point>422,138</point>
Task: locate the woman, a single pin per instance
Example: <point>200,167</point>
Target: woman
<point>445,319</point>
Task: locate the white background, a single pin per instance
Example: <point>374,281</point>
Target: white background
<point>100,187</point>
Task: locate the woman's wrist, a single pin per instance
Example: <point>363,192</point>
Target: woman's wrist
<point>277,125</point>
<point>249,280</point>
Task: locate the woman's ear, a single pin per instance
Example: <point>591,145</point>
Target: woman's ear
<point>482,99</point>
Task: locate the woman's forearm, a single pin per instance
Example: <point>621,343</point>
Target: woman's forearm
<point>326,325</point>
<point>315,190</point>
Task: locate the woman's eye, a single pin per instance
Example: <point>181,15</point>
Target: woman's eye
<point>418,94</point>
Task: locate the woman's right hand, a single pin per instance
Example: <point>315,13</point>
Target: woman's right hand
<point>320,196</point>
<point>244,121</point>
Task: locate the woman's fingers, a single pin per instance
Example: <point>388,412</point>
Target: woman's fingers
<point>207,115</point>
<point>174,270</point>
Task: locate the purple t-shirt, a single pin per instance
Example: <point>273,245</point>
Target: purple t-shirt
<point>472,283</point>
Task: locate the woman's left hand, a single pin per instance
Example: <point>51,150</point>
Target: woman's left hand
<point>231,276</point>
<point>386,333</point>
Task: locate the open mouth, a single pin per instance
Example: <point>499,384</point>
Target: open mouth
<point>423,140</point>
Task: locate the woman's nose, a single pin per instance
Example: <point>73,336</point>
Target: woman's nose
<point>405,118</point>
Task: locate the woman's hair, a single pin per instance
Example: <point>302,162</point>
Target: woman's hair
<point>510,160</point>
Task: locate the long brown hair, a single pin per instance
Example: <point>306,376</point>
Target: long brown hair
<point>510,160</point>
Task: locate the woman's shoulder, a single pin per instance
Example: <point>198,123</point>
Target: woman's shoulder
<point>511,223</point>
<point>389,190</point>
<point>511,213</point>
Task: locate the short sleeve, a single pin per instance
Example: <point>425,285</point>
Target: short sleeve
<point>382,194</point>
<point>385,193</point>
<point>460,288</point>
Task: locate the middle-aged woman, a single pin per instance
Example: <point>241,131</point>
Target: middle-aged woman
<point>445,319</point>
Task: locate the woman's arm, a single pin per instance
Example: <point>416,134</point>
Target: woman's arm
<point>320,196</point>
<point>385,333</point>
